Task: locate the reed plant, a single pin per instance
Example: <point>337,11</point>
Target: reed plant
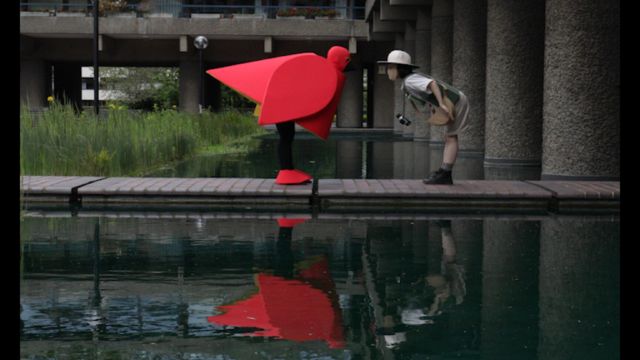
<point>62,142</point>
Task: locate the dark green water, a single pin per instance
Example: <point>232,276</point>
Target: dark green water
<point>144,286</point>
<point>351,156</point>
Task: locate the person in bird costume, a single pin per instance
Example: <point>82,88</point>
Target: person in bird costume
<point>301,89</point>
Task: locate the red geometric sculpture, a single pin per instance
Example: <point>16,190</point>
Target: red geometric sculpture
<point>304,87</point>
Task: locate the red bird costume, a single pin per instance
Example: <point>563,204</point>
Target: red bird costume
<point>302,88</point>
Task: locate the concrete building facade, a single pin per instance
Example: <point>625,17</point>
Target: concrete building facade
<point>534,71</point>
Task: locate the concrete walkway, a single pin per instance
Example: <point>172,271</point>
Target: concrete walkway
<point>324,194</point>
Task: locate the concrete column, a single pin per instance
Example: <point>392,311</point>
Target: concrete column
<point>383,101</point>
<point>468,239</point>
<point>397,92</point>
<point>469,166</point>
<point>407,160</point>
<point>349,114</point>
<point>398,159</point>
<point>510,289</point>
<point>581,132</point>
<point>421,159</point>
<point>349,159</point>
<point>35,85</point>
<point>410,48</point>
<point>469,59</point>
<point>189,85</point>
<point>441,52</point>
<point>423,59</point>
<point>67,84</point>
<point>380,160</point>
<point>515,58</point>
<point>579,289</point>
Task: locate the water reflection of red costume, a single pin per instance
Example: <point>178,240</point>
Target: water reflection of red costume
<point>300,309</point>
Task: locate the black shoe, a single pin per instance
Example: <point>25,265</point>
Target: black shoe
<point>439,177</point>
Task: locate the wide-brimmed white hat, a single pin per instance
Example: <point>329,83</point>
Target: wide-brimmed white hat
<point>399,57</point>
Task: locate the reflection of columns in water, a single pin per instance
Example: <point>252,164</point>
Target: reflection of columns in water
<point>467,238</point>
<point>579,289</point>
<point>380,159</point>
<point>510,289</point>
<point>349,159</point>
<point>284,255</point>
<point>419,248</point>
<point>421,159</point>
<point>398,160</point>
<point>407,159</point>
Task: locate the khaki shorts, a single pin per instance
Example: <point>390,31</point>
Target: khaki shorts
<point>461,114</point>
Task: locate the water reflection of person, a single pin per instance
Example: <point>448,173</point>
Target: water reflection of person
<point>426,299</point>
<point>450,282</point>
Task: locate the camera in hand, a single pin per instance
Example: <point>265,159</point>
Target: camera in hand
<point>403,119</point>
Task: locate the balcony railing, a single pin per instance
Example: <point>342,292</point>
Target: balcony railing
<point>170,8</point>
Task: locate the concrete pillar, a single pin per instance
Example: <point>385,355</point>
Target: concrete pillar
<point>398,159</point>
<point>469,59</point>
<point>515,58</point>
<point>410,48</point>
<point>189,86</point>
<point>67,84</point>
<point>421,159</point>
<point>383,101</point>
<point>380,160</point>
<point>579,289</point>
<point>407,160</point>
<point>423,59</point>
<point>349,159</point>
<point>349,114</point>
<point>35,85</point>
<point>468,239</point>
<point>469,165</point>
<point>397,92</point>
<point>511,249</point>
<point>441,52</point>
<point>581,132</point>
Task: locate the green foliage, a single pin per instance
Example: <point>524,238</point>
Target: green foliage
<point>143,88</point>
<point>126,143</point>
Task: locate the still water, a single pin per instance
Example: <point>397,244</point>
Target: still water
<point>342,156</point>
<point>246,286</point>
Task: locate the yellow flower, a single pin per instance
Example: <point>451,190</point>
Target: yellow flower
<point>50,99</point>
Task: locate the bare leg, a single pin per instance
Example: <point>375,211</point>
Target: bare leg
<point>450,150</point>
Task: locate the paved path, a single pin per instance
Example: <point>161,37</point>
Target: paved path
<point>325,194</point>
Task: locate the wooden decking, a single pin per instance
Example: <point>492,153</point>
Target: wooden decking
<point>324,194</point>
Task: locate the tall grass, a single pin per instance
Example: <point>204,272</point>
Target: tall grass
<point>61,142</point>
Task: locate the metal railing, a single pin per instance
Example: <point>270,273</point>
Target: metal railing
<point>174,8</point>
